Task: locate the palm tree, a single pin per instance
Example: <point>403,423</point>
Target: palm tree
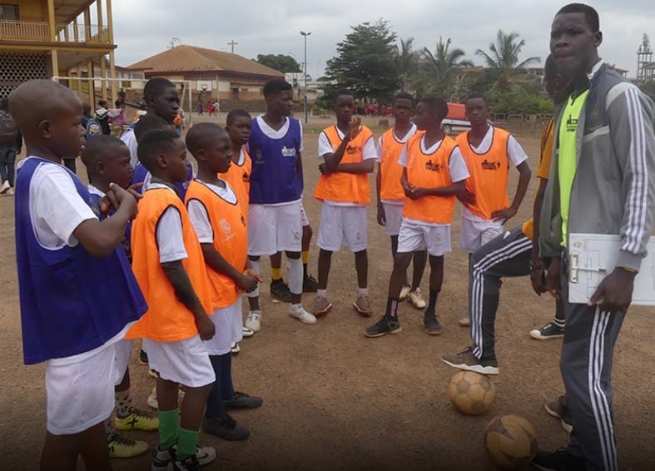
<point>405,59</point>
<point>503,61</point>
<point>442,67</point>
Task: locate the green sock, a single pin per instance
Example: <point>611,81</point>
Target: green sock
<point>186,443</point>
<point>169,428</point>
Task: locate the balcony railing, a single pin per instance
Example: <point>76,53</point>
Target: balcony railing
<point>40,32</point>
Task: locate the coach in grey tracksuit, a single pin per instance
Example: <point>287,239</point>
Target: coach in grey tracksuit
<point>613,192</point>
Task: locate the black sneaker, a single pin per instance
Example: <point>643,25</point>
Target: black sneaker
<point>465,360</point>
<point>309,284</point>
<point>560,460</point>
<point>143,357</point>
<point>226,428</point>
<point>547,332</point>
<point>280,292</point>
<point>243,401</point>
<point>383,327</point>
<point>431,323</point>
<point>558,409</point>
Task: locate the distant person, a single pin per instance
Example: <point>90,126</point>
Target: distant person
<point>121,99</point>
<point>200,107</point>
<point>210,108</point>
<point>11,143</point>
<point>217,108</point>
<point>348,155</point>
<point>102,116</point>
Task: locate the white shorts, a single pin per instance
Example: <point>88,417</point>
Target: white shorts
<point>273,229</point>
<point>393,214</point>
<point>343,226</point>
<point>123,351</point>
<point>229,329</point>
<point>185,362</point>
<point>416,236</point>
<point>474,234</point>
<point>303,215</point>
<point>80,394</point>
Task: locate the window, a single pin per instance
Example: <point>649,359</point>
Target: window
<point>9,12</point>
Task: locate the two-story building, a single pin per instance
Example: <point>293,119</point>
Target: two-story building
<point>58,39</point>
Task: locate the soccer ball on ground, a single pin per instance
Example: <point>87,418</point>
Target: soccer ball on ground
<point>472,393</point>
<point>511,442</point>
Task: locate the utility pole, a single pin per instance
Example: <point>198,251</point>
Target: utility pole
<point>232,44</point>
<point>305,72</point>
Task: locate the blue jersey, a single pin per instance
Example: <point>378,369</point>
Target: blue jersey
<point>141,175</point>
<point>70,301</point>
<point>274,178</point>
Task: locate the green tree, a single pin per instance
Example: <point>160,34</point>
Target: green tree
<point>406,61</point>
<point>649,89</point>
<point>503,61</point>
<point>365,61</point>
<point>280,62</point>
<point>441,69</point>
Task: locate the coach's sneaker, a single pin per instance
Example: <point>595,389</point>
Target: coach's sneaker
<point>557,409</point>
<point>226,428</point>
<point>10,191</point>
<point>415,298</point>
<point>383,327</point>
<point>321,306</point>
<point>552,330</point>
<point>138,420</point>
<point>235,348</point>
<point>5,187</point>
<point>280,292</point>
<point>243,401</point>
<point>404,292</point>
<point>298,312</point>
<point>246,332</point>
<point>558,460</point>
<point>123,447</point>
<point>464,322</point>
<point>465,360</point>
<point>431,323</point>
<point>309,284</point>
<point>254,321</point>
<point>363,305</point>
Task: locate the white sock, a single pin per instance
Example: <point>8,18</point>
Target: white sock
<point>255,266</point>
<point>295,273</point>
<point>321,293</point>
<point>363,291</point>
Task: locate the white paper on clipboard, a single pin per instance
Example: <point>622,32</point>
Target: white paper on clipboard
<point>593,256</point>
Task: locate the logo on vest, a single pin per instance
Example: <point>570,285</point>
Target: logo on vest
<point>226,227</point>
<point>571,124</point>
<point>246,177</point>
<point>353,149</point>
<point>486,165</point>
<point>259,157</point>
<point>288,151</point>
<point>433,166</point>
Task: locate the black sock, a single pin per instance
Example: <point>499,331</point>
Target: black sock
<point>227,389</point>
<point>432,305</point>
<point>392,308</point>
<point>304,270</point>
<point>215,407</point>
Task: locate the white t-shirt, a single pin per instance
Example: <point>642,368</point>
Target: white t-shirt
<point>198,212</point>
<point>516,156</point>
<point>404,140</point>
<point>129,139</point>
<point>170,239</point>
<point>280,133</point>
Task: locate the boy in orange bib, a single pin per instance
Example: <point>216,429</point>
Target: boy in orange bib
<point>434,174</point>
<point>168,263</point>
<point>348,154</point>
<point>218,218</point>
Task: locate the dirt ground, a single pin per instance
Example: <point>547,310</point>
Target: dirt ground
<point>336,400</point>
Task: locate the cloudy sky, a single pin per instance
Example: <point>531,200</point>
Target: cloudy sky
<point>145,27</point>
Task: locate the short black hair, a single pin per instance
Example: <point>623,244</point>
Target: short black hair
<point>436,105</point>
<point>403,96</point>
<point>101,146</point>
<point>275,87</point>
<point>200,134</point>
<point>476,95</point>
<point>590,13</point>
<point>341,92</point>
<point>156,86</point>
<point>234,114</point>
<point>152,144</point>
<point>148,123</point>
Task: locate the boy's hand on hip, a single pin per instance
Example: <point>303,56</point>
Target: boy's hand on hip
<point>206,328</point>
<point>504,214</point>
<point>614,293</point>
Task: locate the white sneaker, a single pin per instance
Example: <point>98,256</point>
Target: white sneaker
<point>10,191</point>
<point>5,187</point>
<point>235,347</point>
<point>302,315</point>
<point>253,321</point>
<point>404,292</point>
<point>416,299</point>
<point>246,332</point>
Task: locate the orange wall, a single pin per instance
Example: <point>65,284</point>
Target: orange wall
<point>33,10</point>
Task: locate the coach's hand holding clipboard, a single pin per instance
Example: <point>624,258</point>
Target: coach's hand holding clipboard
<point>614,293</point>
